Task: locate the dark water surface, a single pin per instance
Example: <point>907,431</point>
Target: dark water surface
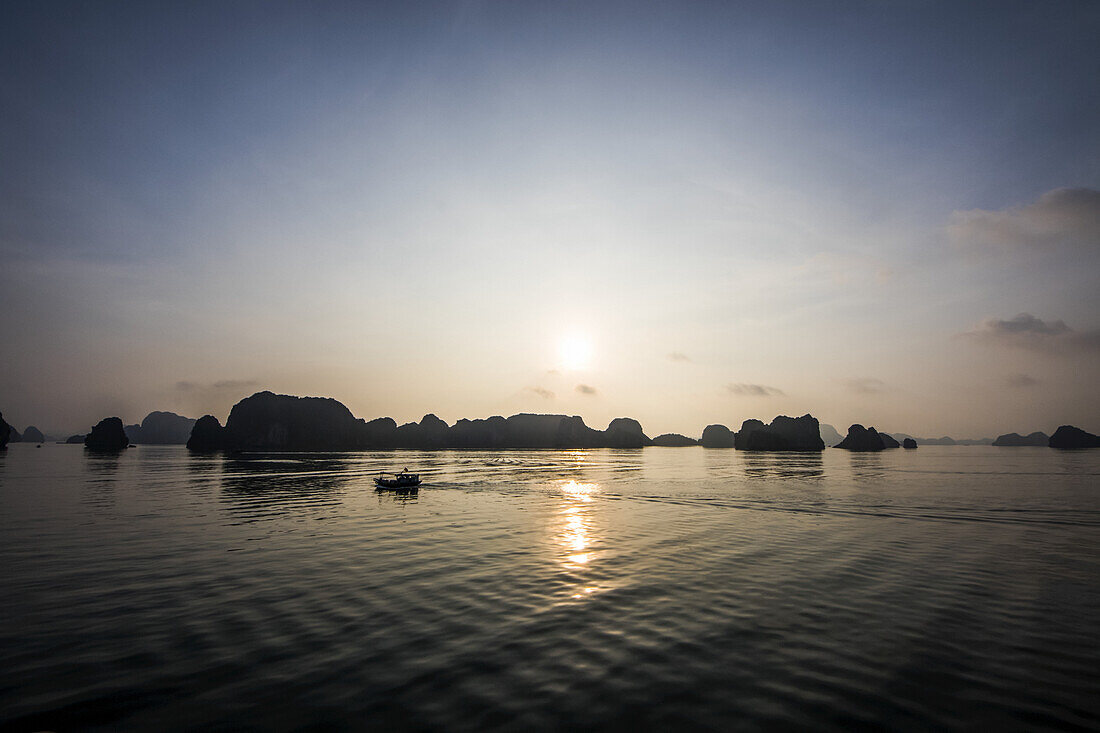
<point>658,589</point>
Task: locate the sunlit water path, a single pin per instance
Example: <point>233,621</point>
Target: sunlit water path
<point>664,588</point>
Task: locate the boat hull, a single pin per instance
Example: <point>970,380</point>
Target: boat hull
<point>395,484</point>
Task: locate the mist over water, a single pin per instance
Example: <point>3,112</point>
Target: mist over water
<point>674,588</point>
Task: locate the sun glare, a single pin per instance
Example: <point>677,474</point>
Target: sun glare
<point>575,351</point>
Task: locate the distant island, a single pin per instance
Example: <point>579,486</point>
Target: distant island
<point>161,428</point>
<point>1015,440</point>
<point>866,440</point>
<point>266,421</point>
<point>674,440</point>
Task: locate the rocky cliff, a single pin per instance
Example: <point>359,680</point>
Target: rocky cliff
<point>1069,437</point>
<point>107,435</point>
<point>862,439</point>
<point>161,428</point>
<point>270,422</point>
<point>782,434</point>
<point>716,436</point>
<point>206,435</point>
<point>889,441</point>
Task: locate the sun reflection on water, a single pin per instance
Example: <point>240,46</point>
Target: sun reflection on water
<point>575,537</point>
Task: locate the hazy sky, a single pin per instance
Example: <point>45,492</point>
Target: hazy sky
<point>876,212</point>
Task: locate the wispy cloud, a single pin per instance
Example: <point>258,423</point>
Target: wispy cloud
<point>678,356</point>
<point>865,385</point>
<point>1062,217</point>
<point>753,390</point>
<point>541,392</point>
<point>1026,331</point>
<point>1020,381</point>
<point>223,385</point>
<point>585,389</point>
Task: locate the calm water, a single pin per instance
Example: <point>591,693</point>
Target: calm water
<point>664,588</point>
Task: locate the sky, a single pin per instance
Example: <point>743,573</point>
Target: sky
<point>687,213</point>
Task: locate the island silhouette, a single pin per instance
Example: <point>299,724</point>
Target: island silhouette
<point>266,421</point>
<point>1015,440</point>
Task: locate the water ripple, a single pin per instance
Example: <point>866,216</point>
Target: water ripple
<point>678,589</point>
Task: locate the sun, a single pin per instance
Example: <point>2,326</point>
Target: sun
<point>575,351</point>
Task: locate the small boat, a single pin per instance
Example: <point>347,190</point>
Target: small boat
<point>402,480</point>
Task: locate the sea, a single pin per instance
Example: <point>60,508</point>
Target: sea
<point>946,588</point>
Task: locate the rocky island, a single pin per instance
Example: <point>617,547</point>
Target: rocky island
<point>33,435</point>
<point>674,440</point>
<point>107,435</point>
<point>1069,437</point>
<point>863,440</point>
<point>161,428</point>
<point>717,436</point>
<point>782,434</point>
<point>1015,440</point>
<point>270,422</point>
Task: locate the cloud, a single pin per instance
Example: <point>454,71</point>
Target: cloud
<point>678,356</point>
<point>223,385</point>
<point>1063,217</point>
<point>1026,331</point>
<point>543,393</point>
<point>865,385</point>
<point>585,389</point>
<point>1024,324</point>
<point>236,384</point>
<point>753,390</point>
<point>209,398</point>
<point>1020,381</point>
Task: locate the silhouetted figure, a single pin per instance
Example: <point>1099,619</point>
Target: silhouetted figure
<point>107,435</point>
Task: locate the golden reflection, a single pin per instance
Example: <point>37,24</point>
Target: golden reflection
<point>578,491</point>
<point>575,536</point>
